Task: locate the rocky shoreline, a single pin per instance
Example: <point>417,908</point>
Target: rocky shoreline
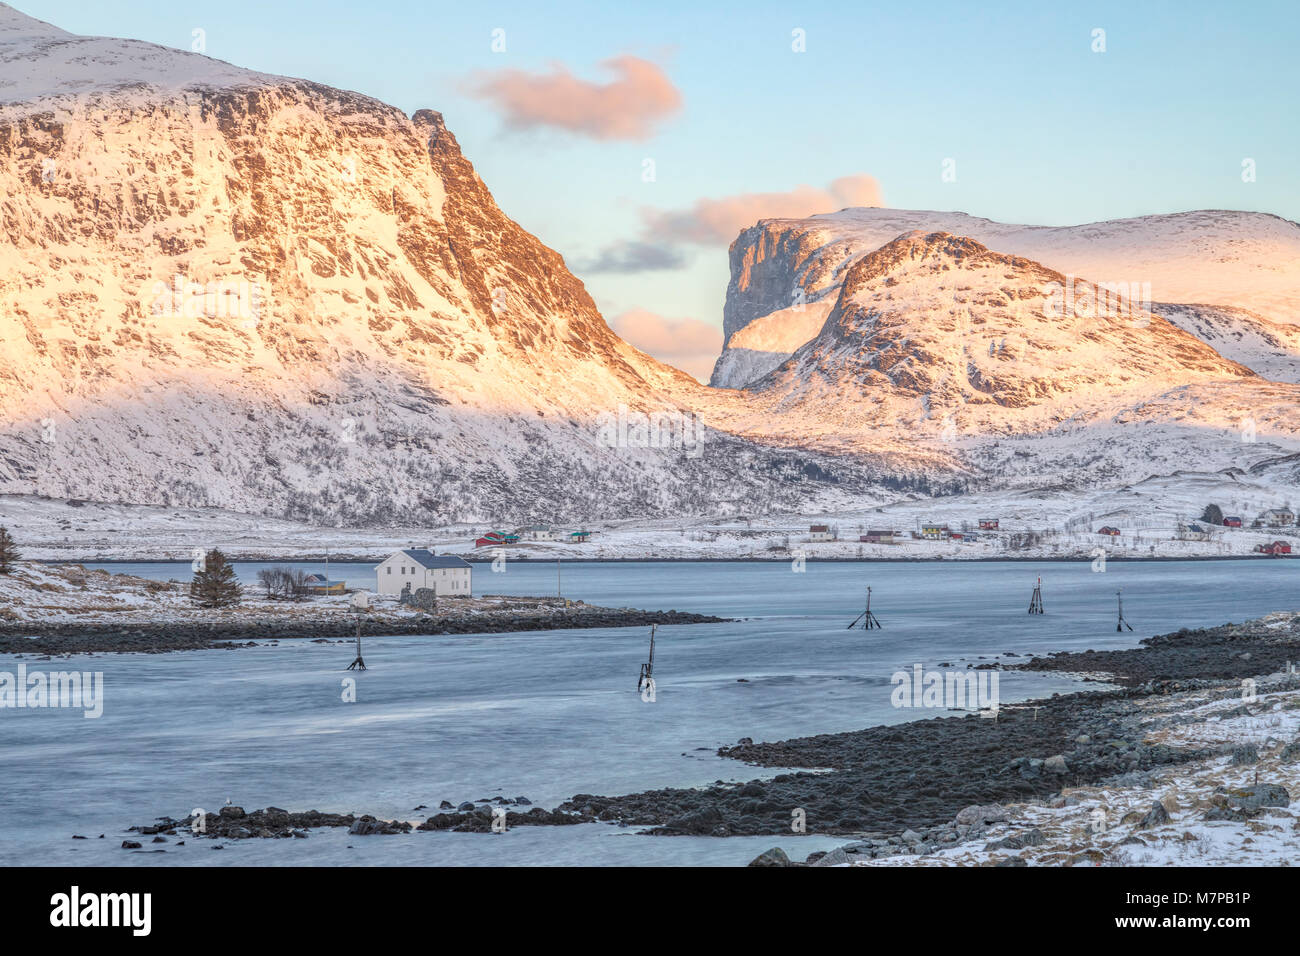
<point>1173,744</point>
<point>183,635</point>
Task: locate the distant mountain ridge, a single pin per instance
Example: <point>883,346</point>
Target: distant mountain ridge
<point>1236,260</point>
<point>225,289</point>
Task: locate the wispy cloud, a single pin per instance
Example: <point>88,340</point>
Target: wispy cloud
<point>627,107</point>
<point>688,344</point>
<point>627,257</point>
<point>711,221</point>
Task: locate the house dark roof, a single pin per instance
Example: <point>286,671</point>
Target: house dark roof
<point>427,559</point>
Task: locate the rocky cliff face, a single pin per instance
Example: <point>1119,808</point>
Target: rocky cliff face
<point>224,288</point>
<point>938,347</point>
<point>221,288</point>
<point>1232,259</point>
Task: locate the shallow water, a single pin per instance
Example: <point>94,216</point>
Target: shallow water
<point>550,714</point>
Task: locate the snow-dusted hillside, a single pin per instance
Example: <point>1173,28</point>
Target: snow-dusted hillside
<point>1238,260</point>
<point>1270,348</point>
<point>221,288</point>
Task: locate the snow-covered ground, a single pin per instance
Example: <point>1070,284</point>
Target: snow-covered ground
<point>1154,517</point>
<point>70,594</point>
<point>1101,825</point>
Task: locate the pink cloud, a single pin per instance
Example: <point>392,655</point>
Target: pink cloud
<point>721,220</point>
<point>625,108</point>
<point>688,344</point>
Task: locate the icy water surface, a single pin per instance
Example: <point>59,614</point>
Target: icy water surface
<point>550,714</point>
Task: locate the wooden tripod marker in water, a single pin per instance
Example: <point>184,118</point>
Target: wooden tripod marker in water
<point>870,619</point>
<point>358,664</point>
<point>361,604</point>
<point>1120,623</point>
<point>1036,599</point>
<point>648,668</point>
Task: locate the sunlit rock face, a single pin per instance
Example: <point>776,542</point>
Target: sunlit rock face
<point>1240,262</point>
<point>225,288</point>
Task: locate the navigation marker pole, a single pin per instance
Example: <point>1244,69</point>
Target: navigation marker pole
<point>648,668</point>
<point>358,664</point>
<point>870,621</point>
<point>1036,599</point>
<point>360,604</point>
<point>1120,623</point>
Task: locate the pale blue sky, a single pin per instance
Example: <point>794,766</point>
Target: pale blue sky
<point>1043,129</point>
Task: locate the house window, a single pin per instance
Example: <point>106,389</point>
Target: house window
<point>390,569</point>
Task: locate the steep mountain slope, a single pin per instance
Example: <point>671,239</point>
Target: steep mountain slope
<point>1231,259</point>
<point>1270,348</point>
<point>223,288</point>
<point>937,344</point>
<point>220,288</point>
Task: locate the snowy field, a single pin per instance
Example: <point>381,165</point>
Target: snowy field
<point>1153,516</point>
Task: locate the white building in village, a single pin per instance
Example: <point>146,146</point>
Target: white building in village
<point>421,568</point>
<point>541,532</point>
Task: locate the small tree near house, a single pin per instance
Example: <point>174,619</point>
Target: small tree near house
<point>8,551</point>
<point>1212,514</point>
<point>215,584</point>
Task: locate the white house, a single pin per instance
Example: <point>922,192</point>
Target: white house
<point>820,532</point>
<point>421,568</point>
<point>540,532</point>
<point>1279,517</point>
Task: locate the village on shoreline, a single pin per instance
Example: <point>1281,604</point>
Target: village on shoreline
<point>1129,526</point>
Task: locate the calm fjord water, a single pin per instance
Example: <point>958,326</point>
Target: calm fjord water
<point>550,714</point>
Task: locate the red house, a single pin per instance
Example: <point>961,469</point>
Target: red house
<point>1231,521</point>
<point>988,524</point>
<point>1113,532</point>
<point>1276,548</point>
<point>495,539</point>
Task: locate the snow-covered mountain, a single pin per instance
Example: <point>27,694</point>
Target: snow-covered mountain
<point>222,288</point>
<point>941,349</point>
<point>1214,258</point>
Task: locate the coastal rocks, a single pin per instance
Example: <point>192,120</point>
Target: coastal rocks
<point>1170,663</point>
<point>868,780</point>
<point>157,637</point>
<point>1055,764</point>
<point>481,819</point>
<point>980,814</point>
<point>1018,841</point>
<point>836,857</point>
<point>1252,798</point>
<point>773,857</point>
<point>1244,755</point>
<point>369,826</point>
<point>232,823</point>
<point>699,822</point>
<point>1156,816</point>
